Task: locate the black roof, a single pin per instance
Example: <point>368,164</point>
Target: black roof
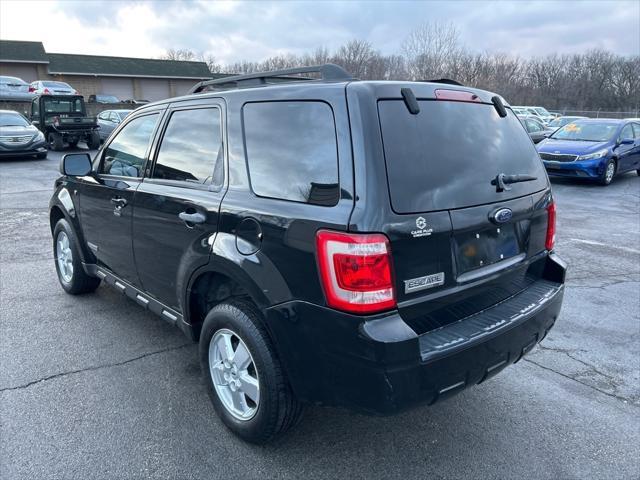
<point>19,51</point>
<point>64,63</point>
<point>125,66</point>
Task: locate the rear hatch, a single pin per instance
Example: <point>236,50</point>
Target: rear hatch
<point>460,243</point>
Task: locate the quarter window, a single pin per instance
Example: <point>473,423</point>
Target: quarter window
<point>191,149</point>
<point>292,151</point>
<point>636,130</point>
<point>126,153</point>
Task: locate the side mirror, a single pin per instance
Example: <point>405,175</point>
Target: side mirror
<point>75,164</point>
<point>627,141</point>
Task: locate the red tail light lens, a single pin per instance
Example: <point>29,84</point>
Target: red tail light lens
<point>31,89</point>
<point>46,91</point>
<point>551,227</point>
<point>355,270</point>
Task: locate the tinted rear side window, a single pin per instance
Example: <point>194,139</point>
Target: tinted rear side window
<point>191,148</point>
<point>292,151</point>
<point>446,156</point>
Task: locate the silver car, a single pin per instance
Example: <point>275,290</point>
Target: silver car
<point>109,120</point>
<point>14,88</point>
<point>47,87</point>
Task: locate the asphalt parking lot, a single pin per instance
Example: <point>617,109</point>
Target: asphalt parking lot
<point>95,387</point>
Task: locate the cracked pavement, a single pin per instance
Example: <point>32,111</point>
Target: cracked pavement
<point>94,387</point>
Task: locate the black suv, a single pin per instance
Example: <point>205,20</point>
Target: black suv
<point>374,245</point>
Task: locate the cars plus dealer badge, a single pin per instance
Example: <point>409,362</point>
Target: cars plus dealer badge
<point>422,230</point>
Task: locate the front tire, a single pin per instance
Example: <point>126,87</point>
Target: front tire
<point>243,375</point>
<point>66,255</point>
<point>41,156</point>
<point>608,173</point>
<point>93,142</point>
<point>56,143</point>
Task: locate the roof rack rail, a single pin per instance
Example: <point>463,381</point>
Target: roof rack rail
<point>328,71</point>
<point>448,81</point>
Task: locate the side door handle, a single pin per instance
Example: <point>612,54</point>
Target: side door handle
<point>192,218</point>
<point>119,202</point>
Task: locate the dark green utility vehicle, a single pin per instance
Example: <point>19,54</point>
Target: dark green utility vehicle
<point>63,120</point>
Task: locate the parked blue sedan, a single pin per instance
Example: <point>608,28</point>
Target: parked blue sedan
<point>596,149</point>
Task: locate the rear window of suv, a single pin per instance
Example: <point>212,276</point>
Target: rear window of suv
<point>446,156</point>
<point>292,152</point>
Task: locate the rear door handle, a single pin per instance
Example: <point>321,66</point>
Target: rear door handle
<point>119,202</point>
<point>191,218</point>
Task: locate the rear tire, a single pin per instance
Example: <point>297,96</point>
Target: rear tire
<point>55,141</point>
<point>41,156</point>
<point>94,140</point>
<point>262,416</point>
<point>608,173</point>
<point>66,255</point>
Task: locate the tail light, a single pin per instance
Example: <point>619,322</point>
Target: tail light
<point>551,227</point>
<point>32,89</point>
<point>46,91</point>
<point>355,270</point>
<point>75,92</point>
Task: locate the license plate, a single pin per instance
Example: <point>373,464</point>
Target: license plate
<point>482,248</point>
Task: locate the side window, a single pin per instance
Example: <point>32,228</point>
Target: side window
<point>113,116</point>
<point>636,131</point>
<point>124,156</point>
<point>35,108</point>
<point>191,148</point>
<point>627,132</point>
<point>292,152</point>
<point>103,115</point>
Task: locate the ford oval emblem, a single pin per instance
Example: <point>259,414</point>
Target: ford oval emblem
<point>503,215</point>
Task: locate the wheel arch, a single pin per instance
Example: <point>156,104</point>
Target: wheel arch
<point>223,278</point>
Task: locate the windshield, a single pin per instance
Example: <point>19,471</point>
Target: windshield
<point>56,84</point>
<point>588,132</point>
<point>12,81</point>
<point>108,98</point>
<point>12,119</point>
<point>542,111</point>
<point>446,156</point>
<point>55,105</point>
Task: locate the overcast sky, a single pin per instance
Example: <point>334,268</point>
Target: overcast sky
<point>234,31</point>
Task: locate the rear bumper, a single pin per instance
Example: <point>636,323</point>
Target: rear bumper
<point>380,365</point>
<point>578,169</point>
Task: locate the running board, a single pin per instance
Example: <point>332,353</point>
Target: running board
<point>135,294</point>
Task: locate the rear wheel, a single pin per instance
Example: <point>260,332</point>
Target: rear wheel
<point>41,156</point>
<point>608,173</point>
<point>93,142</point>
<point>243,375</point>
<point>71,275</point>
<point>55,141</point>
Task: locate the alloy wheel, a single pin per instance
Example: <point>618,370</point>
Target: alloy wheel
<point>64,256</point>
<point>234,374</point>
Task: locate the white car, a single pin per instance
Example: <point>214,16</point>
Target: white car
<point>47,87</point>
<point>14,88</point>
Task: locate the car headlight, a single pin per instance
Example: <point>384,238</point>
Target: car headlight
<point>39,136</point>
<point>592,156</point>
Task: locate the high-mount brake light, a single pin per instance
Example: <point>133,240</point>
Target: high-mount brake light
<point>551,227</point>
<point>456,95</point>
<point>355,270</point>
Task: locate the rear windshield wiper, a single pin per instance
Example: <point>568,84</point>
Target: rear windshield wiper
<point>502,180</point>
